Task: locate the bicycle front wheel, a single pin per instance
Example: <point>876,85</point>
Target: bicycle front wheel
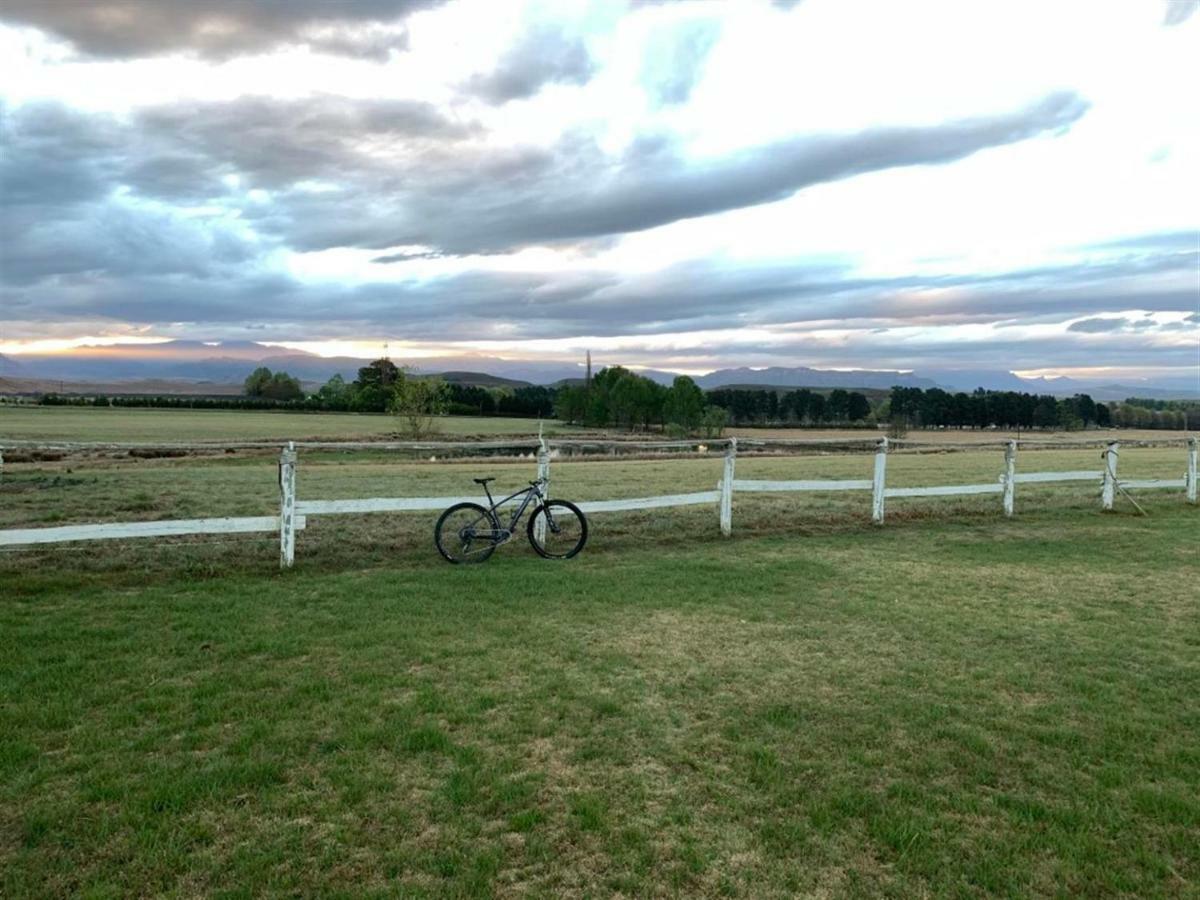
<point>466,533</point>
<point>558,529</point>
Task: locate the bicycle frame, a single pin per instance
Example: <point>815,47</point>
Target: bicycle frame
<point>534,490</point>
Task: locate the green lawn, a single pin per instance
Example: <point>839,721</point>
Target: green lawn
<point>947,708</point>
<point>68,423</point>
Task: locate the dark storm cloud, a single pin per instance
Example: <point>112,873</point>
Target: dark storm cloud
<point>216,29</point>
<point>543,55</point>
<point>675,59</point>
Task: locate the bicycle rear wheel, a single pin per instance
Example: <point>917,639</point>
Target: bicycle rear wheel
<point>565,530</point>
<point>466,533</point>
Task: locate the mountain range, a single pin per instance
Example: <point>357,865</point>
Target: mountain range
<point>226,363</point>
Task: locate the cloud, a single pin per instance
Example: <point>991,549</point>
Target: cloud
<point>218,29</point>
<point>675,59</point>
<point>484,200</point>
<point>385,174</point>
<point>543,55</point>
<point>702,296</point>
<point>1179,11</point>
<point>276,143</point>
<point>1098,326</point>
<point>53,154</point>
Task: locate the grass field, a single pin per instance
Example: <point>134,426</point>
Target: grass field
<point>952,705</point>
<point>944,708</point>
<point>68,423</point>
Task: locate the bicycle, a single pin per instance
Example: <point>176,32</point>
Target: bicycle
<point>470,532</point>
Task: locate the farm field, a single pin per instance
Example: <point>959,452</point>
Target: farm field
<point>960,706</point>
<point>81,423</point>
<point>952,704</point>
<point>73,423</point>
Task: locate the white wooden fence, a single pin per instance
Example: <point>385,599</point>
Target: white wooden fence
<point>294,513</point>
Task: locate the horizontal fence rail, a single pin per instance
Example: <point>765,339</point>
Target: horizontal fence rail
<point>294,512</point>
<point>945,490</point>
<point>740,484</point>
<point>659,502</point>
<point>164,528</point>
<point>1035,477</point>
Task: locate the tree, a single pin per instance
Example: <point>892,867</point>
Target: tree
<point>837,405</point>
<point>570,404</point>
<point>1068,418</point>
<point>283,386</point>
<point>373,386</point>
<point>273,386</point>
<point>714,420</point>
<point>685,404</point>
<point>256,382</point>
<point>857,407</point>
<point>816,409</point>
<point>1085,407</point>
<point>417,400</point>
<point>334,394</point>
<point>1045,412</point>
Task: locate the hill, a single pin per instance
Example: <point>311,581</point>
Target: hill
<point>227,363</point>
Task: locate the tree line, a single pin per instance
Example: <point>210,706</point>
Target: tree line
<point>1137,412</point>
<point>936,408</point>
<point>619,398</point>
<point>749,406</point>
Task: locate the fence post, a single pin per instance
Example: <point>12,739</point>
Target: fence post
<point>543,473</point>
<point>287,506</point>
<point>1010,478</point>
<point>727,489</point>
<point>877,484</point>
<point>1108,492</point>
<point>1191,469</point>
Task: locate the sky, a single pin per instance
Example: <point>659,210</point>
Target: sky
<point>920,185</point>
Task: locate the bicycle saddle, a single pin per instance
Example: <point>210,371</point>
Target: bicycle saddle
<point>482,480</point>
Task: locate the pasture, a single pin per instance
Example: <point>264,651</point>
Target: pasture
<point>952,704</point>
<point>119,424</point>
<point>81,423</point>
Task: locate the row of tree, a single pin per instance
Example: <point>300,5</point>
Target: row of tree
<point>173,401</point>
<point>800,407</point>
<point>373,390</point>
<point>264,384</point>
<point>619,398</point>
<point>1178,415</point>
<point>1004,409</point>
